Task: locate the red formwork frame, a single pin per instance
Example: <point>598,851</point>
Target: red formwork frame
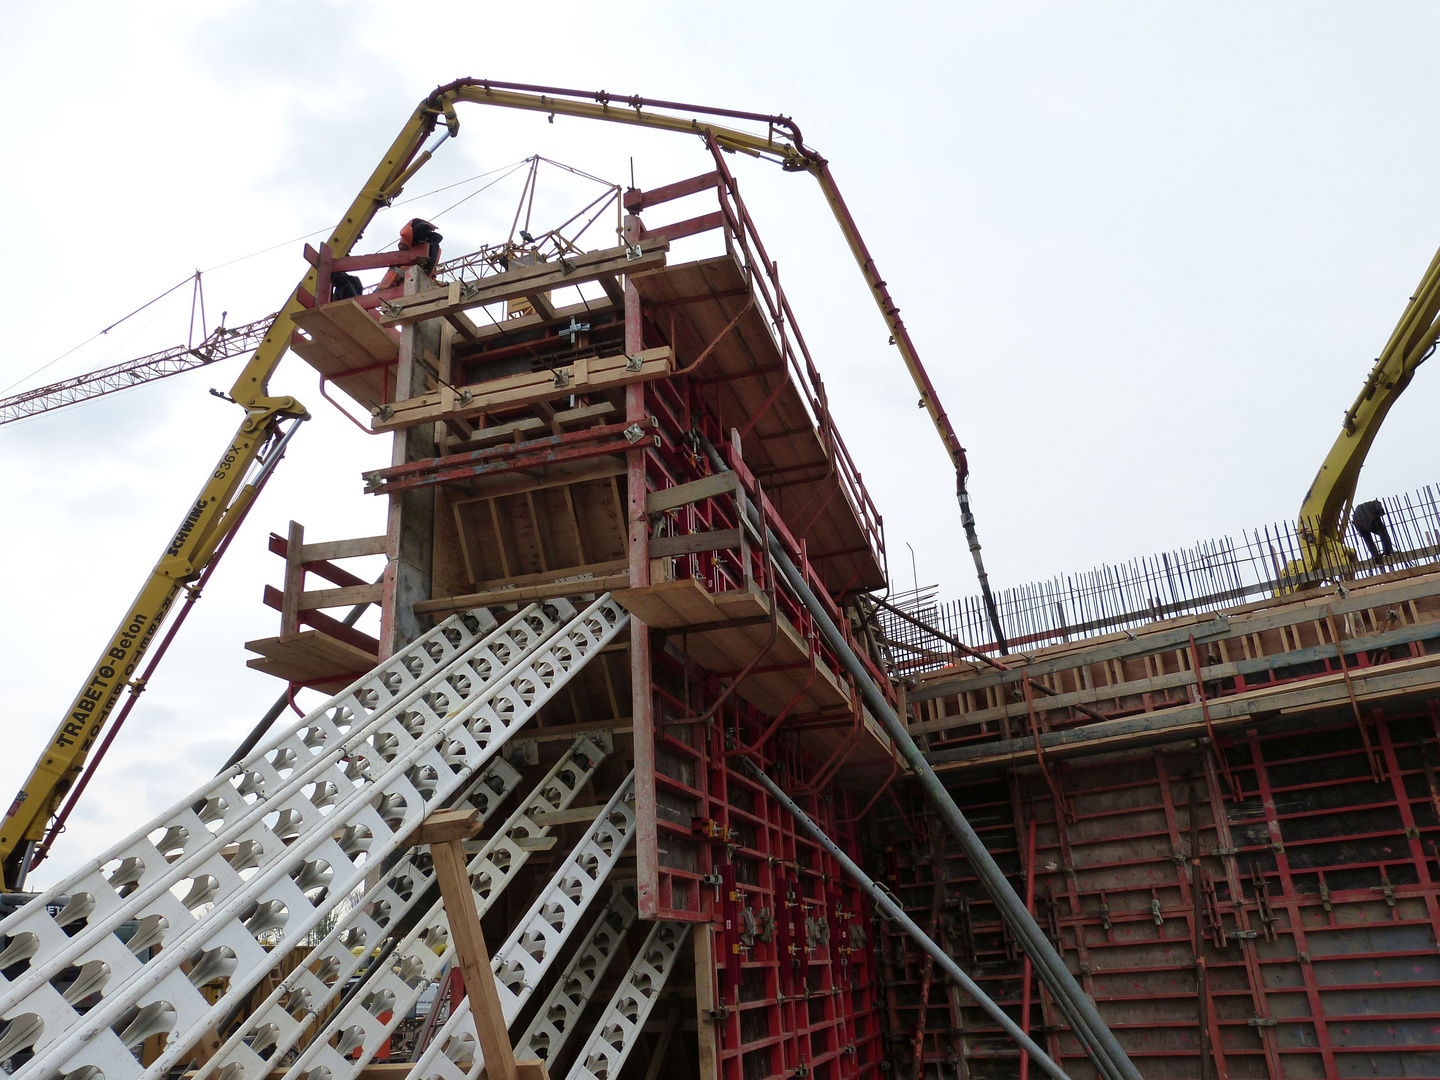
<point>783,969</point>
<point>1300,941</point>
<point>792,983</point>
<point>793,979</point>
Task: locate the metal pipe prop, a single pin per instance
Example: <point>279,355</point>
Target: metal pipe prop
<point>1079,1010</point>
<point>895,912</point>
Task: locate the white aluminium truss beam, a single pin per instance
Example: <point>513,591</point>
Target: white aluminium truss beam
<point>284,1016</point>
<point>421,955</point>
<point>521,962</point>
<point>618,1029</point>
<point>272,845</point>
<point>561,1009</point>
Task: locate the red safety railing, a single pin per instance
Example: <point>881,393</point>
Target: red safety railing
<point>742,241</point>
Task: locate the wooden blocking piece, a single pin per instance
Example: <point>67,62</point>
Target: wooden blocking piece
<point>353,548</point>
<point>345,596</point>
<point>531,1069</point>
<point>294,580</point>
<point>707,487</point>
<point>585,375</point>
<point>574,815</point>
<point>459,900</point>
<point>445,825</point>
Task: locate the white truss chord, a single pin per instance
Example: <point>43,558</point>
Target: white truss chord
<point>265,851</point>
<point>419,958</point>
<point>280,1021</point>
<point>521,962</point>
<point>619,1027</point>
<point>554,1023</point>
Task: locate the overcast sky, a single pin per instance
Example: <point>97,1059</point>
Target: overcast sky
<point>1147,252</point>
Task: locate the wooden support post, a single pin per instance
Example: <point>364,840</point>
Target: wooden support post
<point>294,581</point>
<point>642,702</point>
<point>410,528</point>
<point>708,1044</point>
<point>445,832</point>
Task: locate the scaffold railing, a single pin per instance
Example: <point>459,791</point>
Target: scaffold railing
<point>1207,576</point>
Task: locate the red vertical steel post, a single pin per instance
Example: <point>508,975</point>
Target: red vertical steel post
<point>642,700</point>
<point>1025,968</point>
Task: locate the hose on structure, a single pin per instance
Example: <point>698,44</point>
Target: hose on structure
<point>972,538</point>
<point>893,911</point>
<point>1079,1011</point>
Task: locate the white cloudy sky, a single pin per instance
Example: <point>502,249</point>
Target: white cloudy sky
<point>1147,252</point>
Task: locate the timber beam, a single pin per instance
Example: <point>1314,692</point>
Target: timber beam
<point>586,375</point>
<point>524,282</point>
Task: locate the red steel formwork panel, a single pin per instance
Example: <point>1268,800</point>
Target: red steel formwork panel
<point>1286,930</point>
<point>791,980</point>
<point>792,975</point>
<point>783,970</point>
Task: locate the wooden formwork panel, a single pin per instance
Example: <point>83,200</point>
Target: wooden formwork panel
<point>312,658</point>
<point>528,528</point>
<point>1186,676</point>
<point>344,343</point>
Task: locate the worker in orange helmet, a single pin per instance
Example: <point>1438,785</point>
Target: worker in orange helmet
<point>413,232</point>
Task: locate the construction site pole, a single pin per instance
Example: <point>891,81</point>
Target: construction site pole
<point>893,911</point>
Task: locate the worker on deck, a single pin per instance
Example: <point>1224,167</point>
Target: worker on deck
<point>1370,524</point>
<point>413,232</point>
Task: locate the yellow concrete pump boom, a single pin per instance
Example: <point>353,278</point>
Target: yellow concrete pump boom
<point>231,486</point>
<point>1328,504</point>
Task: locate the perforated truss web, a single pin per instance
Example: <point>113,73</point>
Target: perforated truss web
<point>266,851</point>
<point>618,1029</point>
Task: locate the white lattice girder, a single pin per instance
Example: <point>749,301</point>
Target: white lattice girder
<point>618,1029</point>
<point>555,1021</point>
<point>422,955</point>
<point>284,1016</point>
<point>521,962</point>
<point>274,843</point>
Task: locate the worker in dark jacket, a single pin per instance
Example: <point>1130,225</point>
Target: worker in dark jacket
<point>413,232</point>
<point>1370,524</point>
